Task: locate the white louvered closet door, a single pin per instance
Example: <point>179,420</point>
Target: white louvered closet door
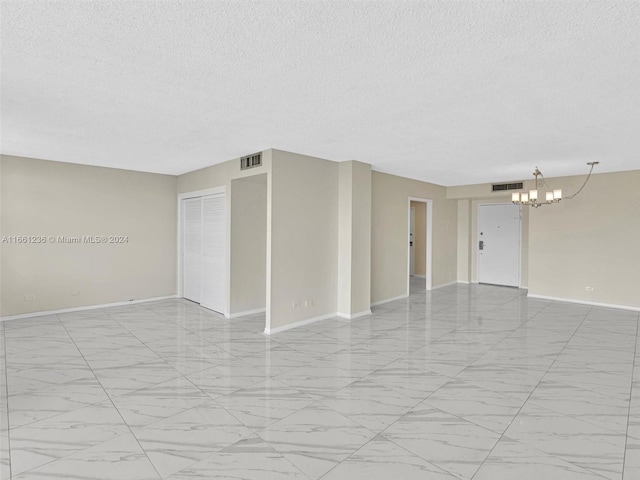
<point>214,238</point>
<point>192,250</point>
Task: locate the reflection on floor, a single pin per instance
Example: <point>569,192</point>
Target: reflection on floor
<point>458,383</point>
<point>417,284</point>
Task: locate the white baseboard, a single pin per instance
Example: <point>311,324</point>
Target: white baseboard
<point>80,309</point>
<point>419,276</point>
<point>353,316</point>
<point>464,282</point>
<point>399,297</point>
<point>247,312</point>
<point>475,282</point>
<point>445,285</point>
<point>584,302</point>
<point>301,323</point>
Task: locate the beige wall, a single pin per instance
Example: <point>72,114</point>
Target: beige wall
<point>248,243</point>
<point>345,236</point>
<point>588,241</point>
<point>303,238</point>
<point>225,175</point>
<point>301,232</point>
<point>389,227</point>
<point>420,238</point>
<point>310,216</point>
<point>354,239</point>
<point>361,236</point>
<point>464,241</point>
<point>469,198</point>
<point>52,198</point>
<point>220,175</point>
<point>592,240</point>
<point>480,190</point>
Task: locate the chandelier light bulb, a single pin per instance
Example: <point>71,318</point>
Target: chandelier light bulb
<point>549,197</point>
<point>533,194</point>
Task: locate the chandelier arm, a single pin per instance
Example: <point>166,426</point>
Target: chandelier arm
<point>583,185</point>
<point>544,182</point>
<point>517,197</point>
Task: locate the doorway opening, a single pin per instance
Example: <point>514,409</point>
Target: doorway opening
<point>420,234</point>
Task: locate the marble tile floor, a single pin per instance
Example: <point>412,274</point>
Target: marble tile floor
<point>464,382</point>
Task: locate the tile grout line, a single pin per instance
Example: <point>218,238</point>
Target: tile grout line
<point>81,450</point>
<point>253,432</point>
<point>6,396</point>
<point>496,307</point>
<point>318,402</point>
<point>626,438</point>
<point>531,393</point>
<point>110,400</point>
<point>192,329</point>
<point>52,386</point>
<point>458,416</point>
<point>380,433</point>
<point>30,392</point>
<point>452,378</point>
<point>179,374</point>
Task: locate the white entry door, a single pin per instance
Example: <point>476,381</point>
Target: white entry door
<point>499,244</point>
<point>204,251</point>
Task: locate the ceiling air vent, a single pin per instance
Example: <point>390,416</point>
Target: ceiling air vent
<point>251,161</point>
<point>498,187</point>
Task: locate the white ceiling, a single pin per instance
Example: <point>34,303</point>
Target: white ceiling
<point>447,92</point>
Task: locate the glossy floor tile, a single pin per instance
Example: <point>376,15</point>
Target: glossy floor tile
<point>464,382</point>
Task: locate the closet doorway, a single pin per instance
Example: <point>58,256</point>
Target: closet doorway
<point>203,252</point>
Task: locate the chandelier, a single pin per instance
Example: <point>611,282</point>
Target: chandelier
<point>551,195</point>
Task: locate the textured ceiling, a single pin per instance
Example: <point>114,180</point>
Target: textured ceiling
<point>447,92</point>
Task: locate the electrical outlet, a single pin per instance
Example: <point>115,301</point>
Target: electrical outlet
<point>589,288</point>
<point>30,298</point>
<point>308,303</point>
<point>295,305</point>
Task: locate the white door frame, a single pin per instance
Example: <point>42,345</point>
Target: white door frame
<point>412,239</point>
<point>429,270</point>
<point>179,272</point>
<point>478,239</point>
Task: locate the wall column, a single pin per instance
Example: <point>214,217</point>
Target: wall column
<point>464,241</point>
<point>354,239</point>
